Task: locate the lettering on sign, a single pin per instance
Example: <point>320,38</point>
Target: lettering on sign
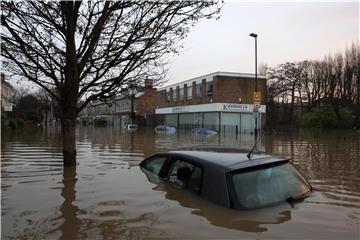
<point>235,107</point>
<point>180,109</point>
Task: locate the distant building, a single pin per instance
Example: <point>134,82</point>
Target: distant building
<point>6,94</point>
<point>216,100</point>
<point>146,105</point>
<point>117,111</point>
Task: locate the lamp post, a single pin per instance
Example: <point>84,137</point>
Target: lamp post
<point>132,92</point>
<point>254,35</point>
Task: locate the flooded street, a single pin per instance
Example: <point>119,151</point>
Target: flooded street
<point>108,197</point>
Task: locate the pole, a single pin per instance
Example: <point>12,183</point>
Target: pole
<point>256,64</point>
<point>254,35</point>
<point>132,98</point>
<point>132,113</point>
<point>256,86</point>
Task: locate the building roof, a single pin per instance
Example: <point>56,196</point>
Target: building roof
<point>209,77</point>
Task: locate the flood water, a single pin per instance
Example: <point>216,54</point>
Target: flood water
<point>108,197</point>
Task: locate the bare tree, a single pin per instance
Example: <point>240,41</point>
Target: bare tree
<point>20,92</point>
<point>284,80</point>
<point>262,69</point>
<point>357,82</point>
<point>333,81</point>
<point>45,102</point>
<point>87,50</point>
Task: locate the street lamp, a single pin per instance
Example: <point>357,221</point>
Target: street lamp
<point>132,92</point>
<point>254,35</point>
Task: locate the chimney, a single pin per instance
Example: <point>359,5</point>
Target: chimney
<point>148,83</point>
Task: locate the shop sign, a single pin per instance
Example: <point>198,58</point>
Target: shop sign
<point>236,107</point>
<point>179,109</point>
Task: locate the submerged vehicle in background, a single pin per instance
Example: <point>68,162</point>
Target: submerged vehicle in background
<point>203,131</point>
<point>229,177</point>
<point>131,127</point>
<point>165,129</point>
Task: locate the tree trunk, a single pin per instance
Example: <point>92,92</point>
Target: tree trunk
<point>68,127</point>
<point>291,115</point>
<point>70,227</point>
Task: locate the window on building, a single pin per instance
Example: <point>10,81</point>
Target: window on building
<point>162,97</point>
<point>198,90</point>
<point>168,95</point>
<point>189,92</point>
<point>181,94</point>
<point>209,89</point>
<point>174,94</point>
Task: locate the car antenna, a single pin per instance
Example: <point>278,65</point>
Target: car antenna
<point>251,151</point>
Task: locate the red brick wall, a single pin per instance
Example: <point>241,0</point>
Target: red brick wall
<point>225,89</point>
<point>146,103</point>
<point>230,89</point>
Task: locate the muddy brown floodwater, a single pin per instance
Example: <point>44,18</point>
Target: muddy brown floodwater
<point>108,197</point>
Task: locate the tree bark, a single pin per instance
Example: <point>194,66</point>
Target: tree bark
<point>68,127</point>
<point>70,89</point>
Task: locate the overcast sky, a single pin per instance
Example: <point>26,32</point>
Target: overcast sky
<point>287,31</point>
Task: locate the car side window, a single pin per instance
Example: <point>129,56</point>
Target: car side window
<point>155,164</point>
<point>185,175</point>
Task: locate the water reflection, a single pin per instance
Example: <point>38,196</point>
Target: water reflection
<point>246,220</point>
<point>71,225</point>
<point>105,218</point>
<point>108,196</point>
<point>330,159</point>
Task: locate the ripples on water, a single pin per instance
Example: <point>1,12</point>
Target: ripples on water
<point>107,196</point>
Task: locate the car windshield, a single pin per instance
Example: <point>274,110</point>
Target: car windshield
<point>268,186</point>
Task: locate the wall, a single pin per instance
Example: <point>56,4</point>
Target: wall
<point>230,89</point>
<point>6,91</point>
<point>226,89</point>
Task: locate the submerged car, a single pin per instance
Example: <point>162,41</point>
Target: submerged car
<point>164,129</point>
<point>229,177</point>
<point>204,131</point>
<point>131,127</point>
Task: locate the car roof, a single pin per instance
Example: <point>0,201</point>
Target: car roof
<point>228,158</point>
<point>215,162</point>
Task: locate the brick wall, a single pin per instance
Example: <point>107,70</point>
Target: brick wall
<point>230,89</point>
<point>146,103</point>
<point>225,89</point>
